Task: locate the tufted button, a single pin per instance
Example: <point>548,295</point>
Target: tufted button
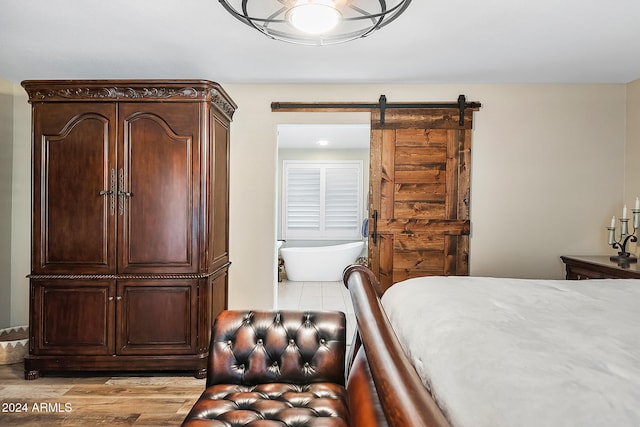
<point>316,404</point>
<point>306,364</point>
<point>229,343</point>
<point>291,342</point>
<point>323,341</point>
<point>260,341</point>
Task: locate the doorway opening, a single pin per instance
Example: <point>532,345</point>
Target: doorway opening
<point>321,204</point>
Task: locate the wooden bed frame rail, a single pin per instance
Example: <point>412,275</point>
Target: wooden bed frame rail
<point>404,399</point>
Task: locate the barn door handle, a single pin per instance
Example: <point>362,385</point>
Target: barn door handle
<point>374,236</point>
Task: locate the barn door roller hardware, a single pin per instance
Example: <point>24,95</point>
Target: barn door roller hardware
<point>382,105</point>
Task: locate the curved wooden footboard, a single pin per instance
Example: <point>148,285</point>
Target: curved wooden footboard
<point>404,399</point>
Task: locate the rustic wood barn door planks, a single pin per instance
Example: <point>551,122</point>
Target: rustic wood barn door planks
<point>419,194</point>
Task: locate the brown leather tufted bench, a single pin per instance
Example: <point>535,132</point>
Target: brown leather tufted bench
<point>274,368</point>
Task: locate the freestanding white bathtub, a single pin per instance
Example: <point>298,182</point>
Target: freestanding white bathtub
<point>319,264</point>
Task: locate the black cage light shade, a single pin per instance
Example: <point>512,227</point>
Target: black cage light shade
<point>316,22</point>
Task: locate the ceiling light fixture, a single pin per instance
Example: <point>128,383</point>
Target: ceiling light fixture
<point>322,142</point>
<point>314,17</point>
<point>316,22</point>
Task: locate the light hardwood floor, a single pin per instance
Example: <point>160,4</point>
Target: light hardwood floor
<point>139,399</point>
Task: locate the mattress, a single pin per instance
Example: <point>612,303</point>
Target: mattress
<point>514,352</point>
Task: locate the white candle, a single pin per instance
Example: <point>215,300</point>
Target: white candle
<point>637,203</point>
<point>624,212</point>
<point>612,229</point>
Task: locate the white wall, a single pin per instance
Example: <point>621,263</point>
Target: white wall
<point>547,174</point>
<point>6,161</point>
<point>21,208</point>
<point>632,155</point>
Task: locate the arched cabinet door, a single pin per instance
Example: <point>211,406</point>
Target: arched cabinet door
<point>158,188</point>
<point>73,201</point>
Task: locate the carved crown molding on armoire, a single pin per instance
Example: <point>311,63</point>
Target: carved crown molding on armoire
<point>130,230</point>
<point>114,90</point>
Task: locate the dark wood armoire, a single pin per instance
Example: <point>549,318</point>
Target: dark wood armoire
<point>129,224</point>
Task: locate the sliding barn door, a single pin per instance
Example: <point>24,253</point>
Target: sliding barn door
<point>419,194</point>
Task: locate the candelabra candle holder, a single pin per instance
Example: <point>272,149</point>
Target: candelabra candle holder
<point>624,256</point>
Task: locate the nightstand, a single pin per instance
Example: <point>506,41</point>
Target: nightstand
<point>598,267</point>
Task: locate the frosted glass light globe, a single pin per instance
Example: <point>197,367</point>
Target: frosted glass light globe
<point>314,16</point>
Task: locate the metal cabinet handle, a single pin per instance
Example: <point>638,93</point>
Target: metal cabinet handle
<point>112,202</point>
<point>110,191</point>
<point>121,192</point>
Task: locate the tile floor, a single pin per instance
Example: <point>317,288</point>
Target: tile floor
<point>317,296</point>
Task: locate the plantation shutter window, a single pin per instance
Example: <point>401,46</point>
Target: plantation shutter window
<point>322,200</point>
<point>303,199</point>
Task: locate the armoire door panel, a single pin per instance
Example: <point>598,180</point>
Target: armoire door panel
<point>72,315</point>
<point>157,316</point>
<point>219,211</point>
<point>212,301</point>
<point>74,160</point>
<point>158,193</point>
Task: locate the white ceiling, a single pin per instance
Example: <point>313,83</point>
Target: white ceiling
<point>337,136</point>
<point>434,41</point>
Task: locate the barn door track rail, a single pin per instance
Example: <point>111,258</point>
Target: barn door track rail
<point>381,105</point>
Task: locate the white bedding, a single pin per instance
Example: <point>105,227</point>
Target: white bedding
<point>515,352</point>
